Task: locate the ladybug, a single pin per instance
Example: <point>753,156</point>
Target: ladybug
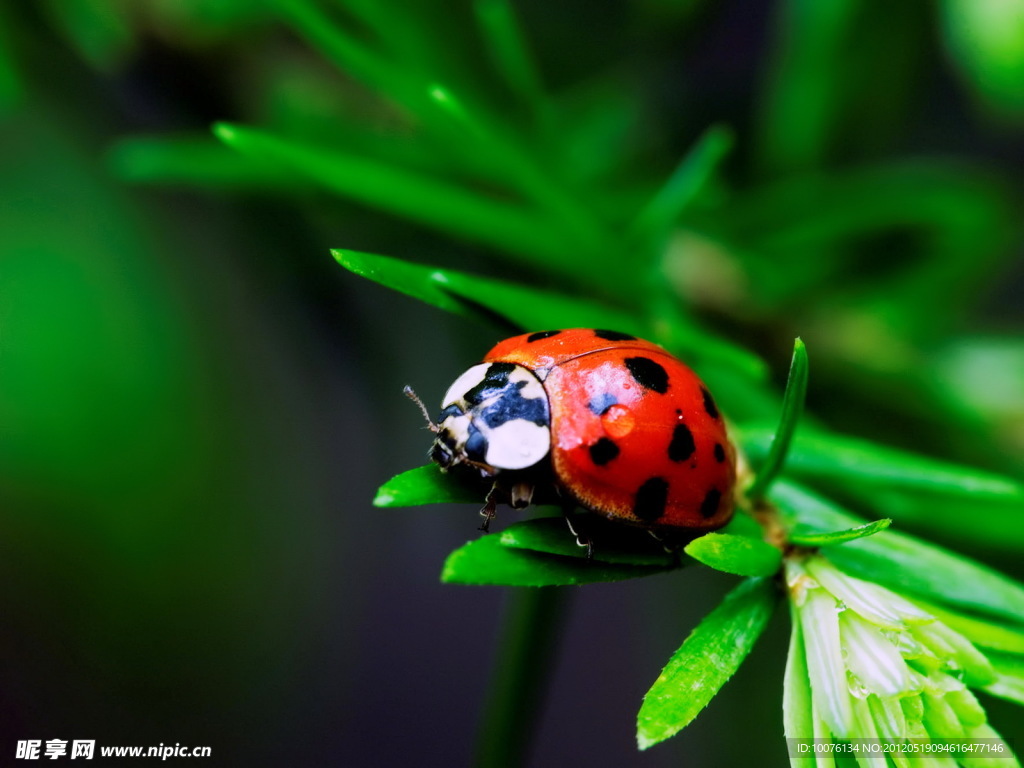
<point>607,421</point>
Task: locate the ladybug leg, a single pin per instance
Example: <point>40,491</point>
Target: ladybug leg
<point>670,544</point>
<point>582,539</point>
<point>521,496</point>
<point>490,507</point>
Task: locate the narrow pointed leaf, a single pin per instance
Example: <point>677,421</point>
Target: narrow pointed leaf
<point>902,562</point>
<point>613,542</point>
<point>426,485</point>
<point>708,658</point>
<point>196,160</point>
<point>792,409</point>
<point>518,307</point>
<point>985,634</point>
<point>689,179</point>
<point>488,561</point>
<point>421,198</point>
<point>837,537</point>
<point>1009,682</point>
<point>840,459</point>
<point>739,555</point>
<point>510,53</point>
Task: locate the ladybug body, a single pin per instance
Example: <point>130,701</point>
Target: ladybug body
<point>616,424</point>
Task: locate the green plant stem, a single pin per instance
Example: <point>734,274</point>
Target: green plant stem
<point>529,639</point>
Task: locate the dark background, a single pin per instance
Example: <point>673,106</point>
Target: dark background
<point>197,405</point>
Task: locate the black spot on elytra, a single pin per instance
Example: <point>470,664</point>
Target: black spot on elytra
<point>709,506</point>
<point>602,403</point>
<point>682,446</point>
<point>613,335</point>
<point>719,453</point>
<point>651,498</point>
<point>648,373</point>
<point>603,451</point>
<point>709,403</point>
<point>541,335</point>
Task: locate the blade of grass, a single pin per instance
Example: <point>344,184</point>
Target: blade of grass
<point>705,662</point>
<point>686,183</point>
<point>488,561</point>
<point>792,409</point>
<point>412,195</point>
<point>903,562</point>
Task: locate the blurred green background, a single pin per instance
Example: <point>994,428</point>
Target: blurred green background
<point>197,403</point>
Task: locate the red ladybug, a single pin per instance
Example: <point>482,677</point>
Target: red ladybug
<point>614,423</point>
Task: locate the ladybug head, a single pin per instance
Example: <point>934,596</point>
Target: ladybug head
<point>494,417</point>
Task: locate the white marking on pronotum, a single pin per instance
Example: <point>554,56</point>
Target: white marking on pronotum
<point>517,444</point>
<point>457,391</point>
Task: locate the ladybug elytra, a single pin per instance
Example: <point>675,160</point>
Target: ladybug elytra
<point>610,422</point>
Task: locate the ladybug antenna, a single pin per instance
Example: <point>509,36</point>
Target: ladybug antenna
<point>423,409</point>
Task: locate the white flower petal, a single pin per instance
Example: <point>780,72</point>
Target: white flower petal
<point>872,658</point>
<point>820,625</point>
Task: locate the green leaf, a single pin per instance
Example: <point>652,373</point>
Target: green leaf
<point>796,536</point>
<point>986,634</point>
<point>708,658</point>
<point>421,198</point>
<point>11,85</point>
<point>1009,682</point>
<point>848,461</point>
<point>426,485</point>
<point>687,181</point>
<point>792,409</point>
<point>488,561</point>
<point>902,562</point>
<point>739,555</point>
<point>511,55</point>
<point>480,298</point>
<point>528,309</point>
<point>103,38</point>
<point>986,41</point>
<point>743,524</point>
<point>351,56</point>
<point>613,542</point>
<point>196,160</point>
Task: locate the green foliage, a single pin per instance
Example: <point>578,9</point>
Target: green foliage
<point>705,662</point>
<point>489,560</point>
<point>792,408</point>
<point>739,555</point>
